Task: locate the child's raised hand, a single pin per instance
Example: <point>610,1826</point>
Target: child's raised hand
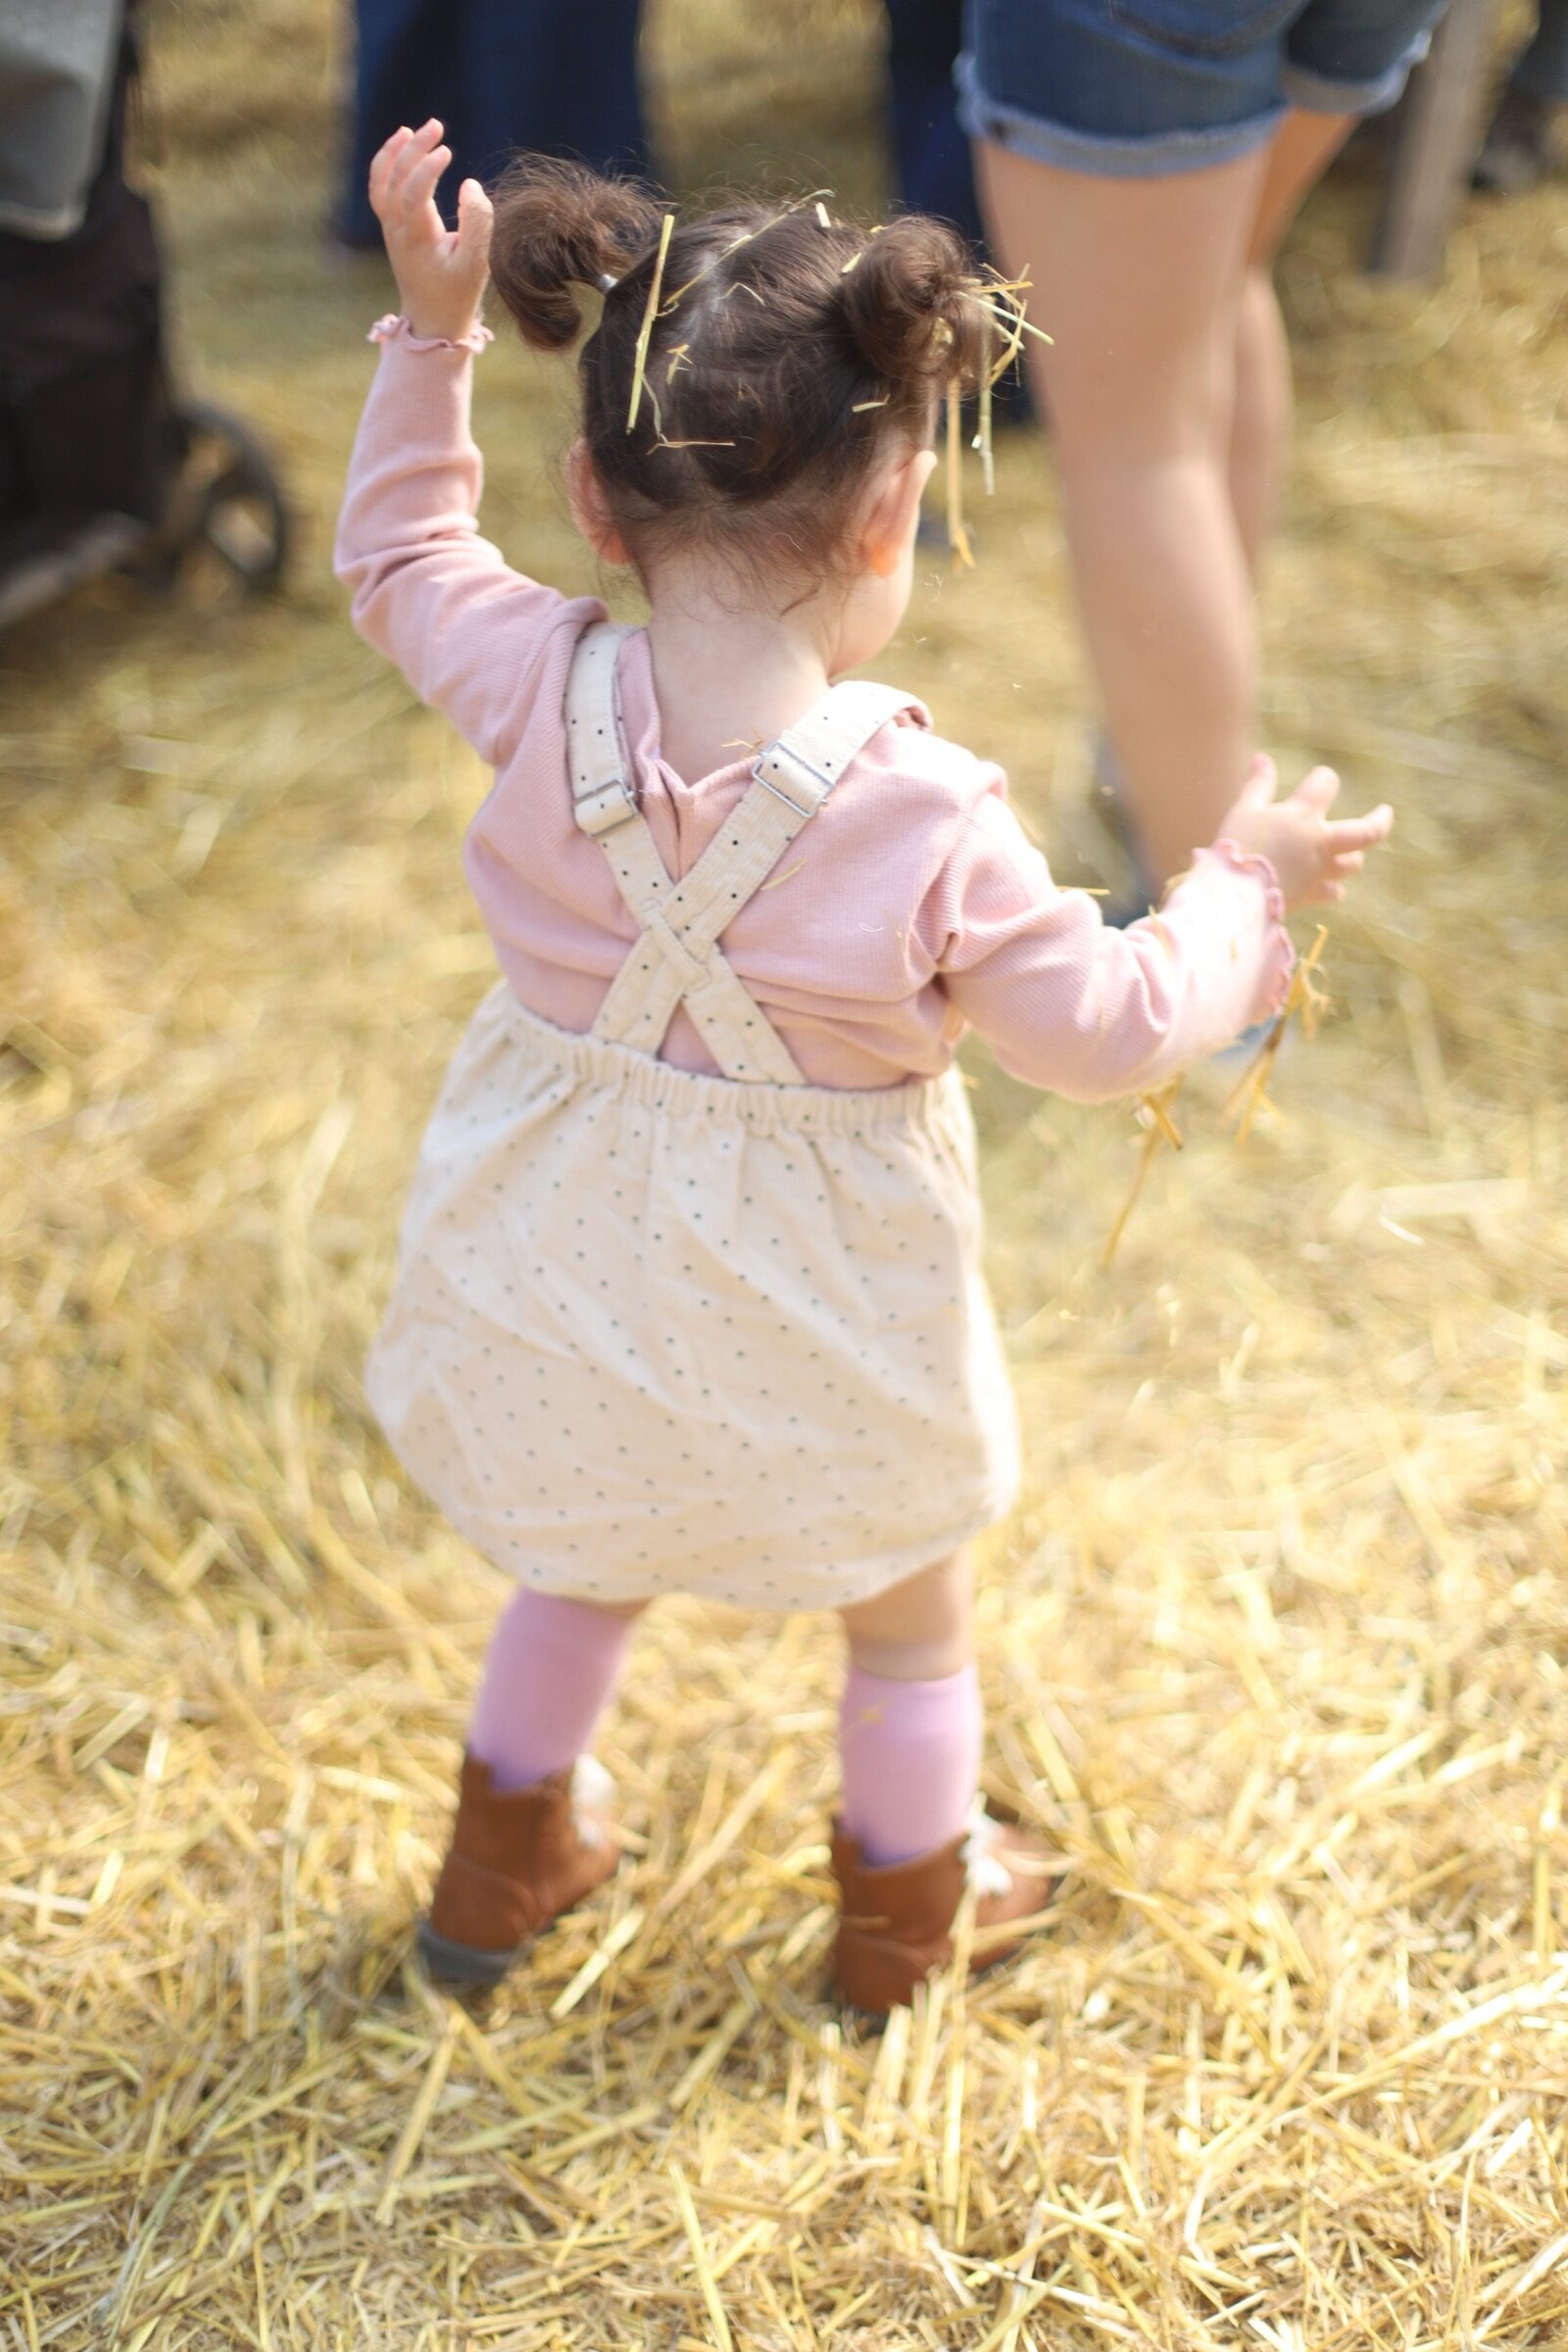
<point>1312,858</point>
<point>440,272</point>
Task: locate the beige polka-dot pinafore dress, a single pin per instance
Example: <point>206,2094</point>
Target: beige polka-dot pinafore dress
<point>655,1332</point>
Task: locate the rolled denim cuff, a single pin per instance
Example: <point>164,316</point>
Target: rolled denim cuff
<point>1321,94</point>
<point>1153,155</point>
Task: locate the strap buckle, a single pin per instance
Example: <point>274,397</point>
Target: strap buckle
<point>605,808</point>
<point>816,787</point>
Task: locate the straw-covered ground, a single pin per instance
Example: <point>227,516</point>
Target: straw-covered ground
<point>1276,1647</point>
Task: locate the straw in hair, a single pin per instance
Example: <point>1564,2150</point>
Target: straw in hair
<point>768,411</point>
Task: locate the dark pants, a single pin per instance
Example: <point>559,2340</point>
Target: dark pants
<point>555,76</point>
<point>1543,71</point>
<point>931,152</point>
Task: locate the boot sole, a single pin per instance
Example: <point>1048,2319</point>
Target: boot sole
<point>463,1963</point>
<point>469,1963</point>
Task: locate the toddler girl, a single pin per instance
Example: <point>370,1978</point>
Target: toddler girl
<point>690,1296</point>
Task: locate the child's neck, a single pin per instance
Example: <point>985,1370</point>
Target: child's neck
<point>728,680</point>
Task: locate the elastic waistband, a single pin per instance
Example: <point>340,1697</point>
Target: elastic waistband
<point>762,1107</point>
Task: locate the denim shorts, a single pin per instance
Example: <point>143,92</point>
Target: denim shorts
<point>1129,89</point>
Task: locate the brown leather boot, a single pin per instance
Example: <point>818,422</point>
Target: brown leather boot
<point>517,1859</point>
<point>896,1923</point>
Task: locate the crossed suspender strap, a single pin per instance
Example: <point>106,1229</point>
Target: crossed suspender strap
<point>677,958</point>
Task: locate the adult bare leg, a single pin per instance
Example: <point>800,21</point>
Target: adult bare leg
<point>1260,424</point>
<point>1138,281</point>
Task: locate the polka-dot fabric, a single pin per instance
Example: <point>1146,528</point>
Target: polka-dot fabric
<point>676,957</point>
<point>654,1332</point>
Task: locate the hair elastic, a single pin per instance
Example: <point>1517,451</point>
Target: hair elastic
<point>606,283</point>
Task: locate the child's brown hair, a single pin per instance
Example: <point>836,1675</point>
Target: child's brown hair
<point>784,352</point>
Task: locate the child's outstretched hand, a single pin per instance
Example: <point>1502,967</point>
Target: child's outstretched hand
<point>440,272</point>
<point>1312,858</point>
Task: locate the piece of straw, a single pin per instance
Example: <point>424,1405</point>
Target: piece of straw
<point>644,333</point>
<point>672,301</point>
<point>1155,1114</point>
<point>1245,1098</point>
<point>700,2260</point>
<point>1251,1091</point>
<point>958,536</point>
<point>420,2112</point>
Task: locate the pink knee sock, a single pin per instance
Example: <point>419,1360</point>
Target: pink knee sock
<point>910,1757</point>
<point>549,1672</point>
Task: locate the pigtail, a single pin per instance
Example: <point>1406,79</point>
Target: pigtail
<point>929,323</point>
<point>914,307</point>
<point>559,227</point>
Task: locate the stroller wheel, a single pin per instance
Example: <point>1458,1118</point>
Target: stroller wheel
<point>228,496</point>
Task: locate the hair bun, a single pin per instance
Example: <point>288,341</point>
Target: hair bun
<point>909,303</point>
<point>559,227</point>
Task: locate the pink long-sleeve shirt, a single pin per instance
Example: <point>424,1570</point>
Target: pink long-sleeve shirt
<point>916,905</point>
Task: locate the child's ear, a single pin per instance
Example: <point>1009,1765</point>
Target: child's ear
<point>893,512</point>
<point>589,512</point>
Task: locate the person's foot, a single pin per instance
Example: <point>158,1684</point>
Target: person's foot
<point>518,1858</point>
<point>897,1919</point>
<point>1517,151</point>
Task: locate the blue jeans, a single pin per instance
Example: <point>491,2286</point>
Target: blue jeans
<point>1129,89</point>
<point>931,150</point>
<point>930,146</point>
<point>557,77</point>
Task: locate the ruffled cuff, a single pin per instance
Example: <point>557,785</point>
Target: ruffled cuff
<point>394,328</point>
<point>1279,951</point>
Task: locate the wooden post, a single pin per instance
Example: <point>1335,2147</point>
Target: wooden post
<point>1436,143</point>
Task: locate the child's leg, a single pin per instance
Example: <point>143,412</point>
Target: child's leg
<point>910,1724</point>
<point>550,1669</point>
